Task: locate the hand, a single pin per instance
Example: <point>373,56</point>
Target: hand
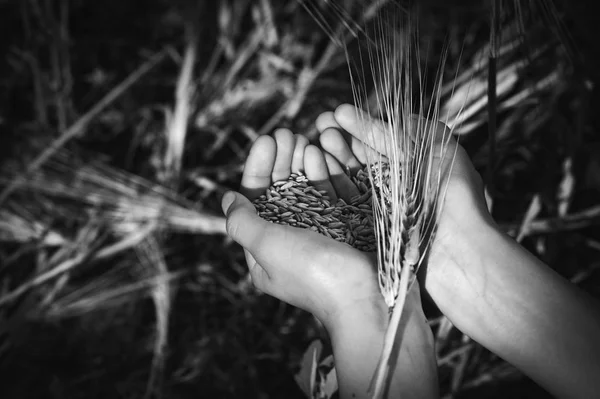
<point>333,281</point>
<point>490,287</point>
<point>450,268</point>
<point>298,266</point>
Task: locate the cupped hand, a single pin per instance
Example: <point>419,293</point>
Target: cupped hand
<point>451,262</point>
<point>301,267</point>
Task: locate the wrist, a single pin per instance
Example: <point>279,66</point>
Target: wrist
<point>503,297</point>
<point>457,265</point>
<point>358,336</point>
<point>371,314</point>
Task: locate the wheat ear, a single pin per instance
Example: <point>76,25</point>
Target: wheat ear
<point>405,186</point>
<point>405,208</point>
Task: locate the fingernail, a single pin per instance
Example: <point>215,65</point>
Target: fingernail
<point>227,200</point>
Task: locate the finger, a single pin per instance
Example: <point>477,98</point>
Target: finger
<point>342,183</point>
<point>317,172</point>
<point>256,236</point>
<point>333,142</point>
<point>243,224</point>
<point>259,167</point>
<point>362,152</point>
<point>325,121</point>
<point>362,127</point>
<point>298,157</point>
<point>373,131</point>
<point>362,141</point>
<point>285,142</point>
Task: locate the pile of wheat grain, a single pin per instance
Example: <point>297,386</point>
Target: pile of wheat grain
<point>296,202</point>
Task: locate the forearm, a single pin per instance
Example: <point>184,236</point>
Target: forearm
<point>527,314</point>
<point>357,344</point>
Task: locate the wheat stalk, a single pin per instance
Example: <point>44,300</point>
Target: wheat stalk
<point>405,213</point>
<point>125,201</point>
<point>405,186</point>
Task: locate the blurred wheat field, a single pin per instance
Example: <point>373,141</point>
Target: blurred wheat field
<point>122,127</point>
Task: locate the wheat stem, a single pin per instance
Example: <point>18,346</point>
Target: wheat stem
<point>384,366</point>
<point>491,90</point>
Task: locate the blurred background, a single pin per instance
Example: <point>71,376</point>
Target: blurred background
<point>123,123</point>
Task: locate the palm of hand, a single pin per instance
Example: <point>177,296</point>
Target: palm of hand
<point>303,268</point>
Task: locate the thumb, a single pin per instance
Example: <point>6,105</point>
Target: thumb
<point>243,223</point>
<point>275,247</point>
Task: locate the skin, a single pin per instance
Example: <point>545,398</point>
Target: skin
<point>334,281</point>
<point>485,283</point>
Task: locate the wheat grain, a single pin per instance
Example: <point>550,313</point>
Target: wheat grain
<point>295,202</point>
